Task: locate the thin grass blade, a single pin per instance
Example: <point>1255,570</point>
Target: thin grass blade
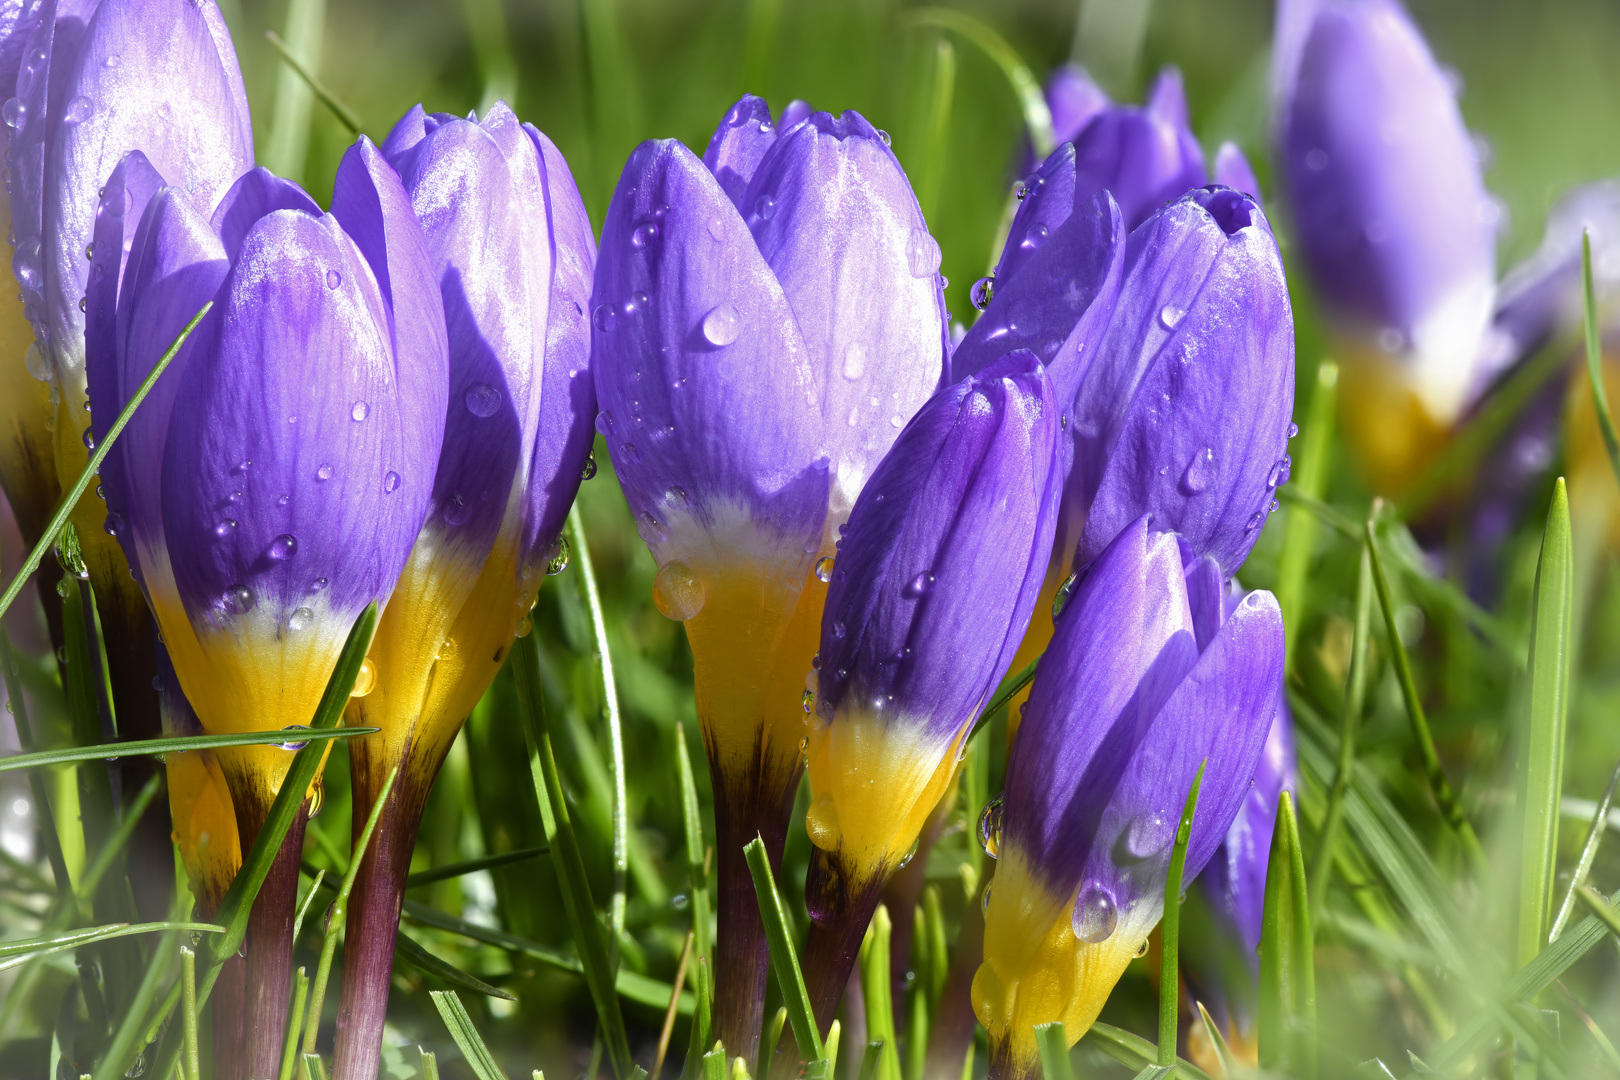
<point>1009,688</point>
<point>1053,1044</point>
<point>16,952</point>
<point>472,866</point>
<point>1589,850</point>
<point>784,957</point>
<point>413,953</point>
<point>696,862</point>
<point>1541,778</point>
<point>1594,355</point>
<point>309,898</point>
<point>345,115</point>
<point>460,1025</point>
<point>1135,1052</point>
<point>295,1024</point>
<point>1032,100</point>
<point>1308,477</point>
<point>930,170</point>
<point>874,961</point>
<point>1223,1052</point>
<point>178,744</point>
<point>1287,1012</point>
<point>872,1061</point>
<point>1600,908</point>
<point>1170,928</point>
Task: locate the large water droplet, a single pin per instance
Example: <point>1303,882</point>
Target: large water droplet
<point>650,529</point>
<point>922,253</point>
<point>78,110</point>
<point>1199,473</point>
<point>238,600</point>
<point>366,680</point>
<point>482,399</point>
<point>37,365</point>
<point>990,828</point>
<point>1095,916</point>
<point>1293,429</point>
<point>983,291</point>
<point>325,472</point>
<point>1170,316</point>
<point>15,113</point>
<point>677,593</point>
<point>1065,590</point>
<point>25,264</point>
<point>838,630</point>
<point>808,701</point>
<point>589,470</point>
<point>1034,238</point>
<point>283,547</point>
<point>630,453</point>
<point>604,318</point>
<point>333,279</point>
<point>644,234</point>
<point>301,619</point>
<point>225,528</point>
<point>1148,834</point>
<point>765,207</point>
<point>557,556</point>
<point>722,325</point>
<point>360,411</point>
<point>1280,472</point>
<point>824,569</point>
<point>918,586</point>
<point>390,482</point>
<point>456,511</point>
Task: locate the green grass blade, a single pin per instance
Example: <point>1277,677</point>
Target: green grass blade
<point>1170,928</point>
<point>1053,1044</point>
<point>1541,779</point>
<point>1032,100</point>
<point>1589,850</point>
<point>191,1062</point>
<point>312,1066</point>
<point>1135,1052</point>
<point>455,1017</point>
<point>1287,966</point>
<point>1009,688</point>
<point>1355,696</point>
<point>610,705</point>
<point>344,114</point>
<point>764,25</point>
<point>430,1064</point>
<point>472,866</point>
<point>566,858</point>
<point>1594,355</point>
<point>930,171</point>
<point>1600,908</point>
<point>784,957</point>
<point>692,825</point>
<point>178,744</point>
<point>1439,786</point>
<point>714,1063</point>
<point>872,1061</point>
<point>36,783</point>
<point>114,845</point>
<point>875,982</point>
<point>418,957</point>
<point>309,899</point>
<point>1223,1052</point>
<point>1308,477</point>
<point>126,1042</point>
<point>93,466</point>
<point>338,916</point>
<point>15,952</point>
<point>295,1024</point>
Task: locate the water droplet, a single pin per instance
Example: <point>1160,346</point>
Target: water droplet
<point>319,585</point>
<point>631,454</point>
<point>854,360</point>
<point>984,901</point>
<point>15,113</point>
<point>238,599</point>
<point>644,234</point>
<point>922,253</point>
<point>815,661</point>
<point>1200,471</point>
<point>765,207</point>
<point>456,511</point>
<point>677,593</point>
<point>1148,834</point>
<point>1033,238</point>
<point>1316,160</point>
<point>482,399</point>
<point>990,828</point>
<point>1255,522</point>
<point>722,325</point>
<point>650,529</point>
<point>225,528</point>
<point>138,1066</point>
<point>1095,916</point>
<point>78,110</point>
<point>37,365</point>
<point>638,303</point>
<point>1293,429</point>
<point>325,472</point>
<point>808,701</point>
<point>824,569</point>
<point>390,482</point>
<point>1170,316</point>
<point>1141,950</point>
<point>983,291</point>
<point>366,680</point>
<point>301,619</point>
<point>89,439</point>
<point>884,136</point>
<point>918,586</point>
<point>244,465</point>
<point>84,304</point>
<point>284,500</point>
<point>589,471</point>
<point>604,319</point>
<point>1065,590</point>
<point>525,626</point>
<point>1280,472</point>
<point>112,61</point>
<point>283,547</point>
<point>333,279</point>
<point>838,630</point>
<point>360,411</point>
<point>557,556</point>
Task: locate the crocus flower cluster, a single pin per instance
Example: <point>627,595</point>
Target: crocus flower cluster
<point>1148,676</point>
<point>1394,223</point>
<point>766,320</point>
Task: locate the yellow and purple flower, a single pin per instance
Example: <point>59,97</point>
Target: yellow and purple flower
<point>1147,677</point>
<point>766,320</point>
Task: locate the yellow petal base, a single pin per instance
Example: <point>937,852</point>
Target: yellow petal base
<point>1393,433</point>
<point>204,824</point>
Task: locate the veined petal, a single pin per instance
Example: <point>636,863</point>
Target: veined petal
<point>836,221</point>
<point>1167,97</point>
<point>1232,170</point>
<point>1075,100</point>
<point>735,149</point>
<point>1144,159</point>
<point>1047,201</point>
<point>256,193</point>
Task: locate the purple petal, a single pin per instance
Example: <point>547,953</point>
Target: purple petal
<point>738,144</point>
<point>700,372</point>
<point>1075,100</point>
<point>938,574</point>
<point>568,392</point>
<point>256,194</point>
<point>1232,170</point>
<point>835,219</point>
<point>1047,201</point>
<point>1185,413</point>
<point>1140,157</point>
<point>411,129</point>
<point>1167,97</point>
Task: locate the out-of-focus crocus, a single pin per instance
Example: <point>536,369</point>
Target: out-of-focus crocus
<point>1144,680</point>
<point>1222,967</point>
<point>272,484</point>
<point>766,321</point>
<point>513,252</point>
<point>1173,352</point>
<point>931,592</point>
<point>1395,225</point>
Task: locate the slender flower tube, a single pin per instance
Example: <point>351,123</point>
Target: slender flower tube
<point>766,319</point>
<point>1144,680</point>
<point>1222,966</point>
<point>1178,379</point>
<point>272,484</point>
<point>1394,223</point>
<point>513,254</point>
<point>931,592</point>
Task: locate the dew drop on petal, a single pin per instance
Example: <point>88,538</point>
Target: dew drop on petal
<point>78,111</point>
<point>1095,916</point>
<point>604,318</point>
<point>325,472</point>
<point>37,365</point>
<point>1199,473</point>
<point>366,680</point>
<point>1170,316</point>
<point>918,586</point>
<point>360,411</point>
<point>455,510</point>
<point>319,585</point>
<point>283,547</point>
<point>984,901</point>
<point>631,454</point>
<point>1141,950</point>
<point>1065,590</point>
<point>644,234</point>
<point>765,207</point>
<point>390,482</point>
<point>557,556</point>
<point>589,470</point>
<point>482,399</point>
<point>722,325</point>
<point>301,619</point>
<point>854,360</point>
<point>1148,834</point>
<point>284,500</point>
<point>333,279</point>
<point>824,569</point>
<point>808,701</point>
<point>15,113</point>
<point>677,593</point>
<point>225,528</point>
<point>982,292</point>
<point>838,630</point>
<point>238,600</point>
<point>922,253</point>
<point>990,828</point>
<point>1293,429</point>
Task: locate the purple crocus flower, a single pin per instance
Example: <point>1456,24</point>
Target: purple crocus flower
<point>1223,969</point>
<point>513,255</point>
<point>274,481</point>
<point>1146,677</point>
<point>766,320</point>
<point>932,589</point>
<point>1394,223</point>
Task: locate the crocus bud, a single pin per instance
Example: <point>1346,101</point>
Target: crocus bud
<point>513,255</point>
<point>1144,681</point>
<point>1144,155</point>
<point>1222,966</point>
<point>1074,100</point>
<point>766,320</point>
<point>930,594</point>
<point>1394,223</point>
<point>273,483</point>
